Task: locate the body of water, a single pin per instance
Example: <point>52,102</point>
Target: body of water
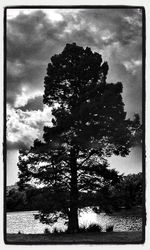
<point>25,222</point>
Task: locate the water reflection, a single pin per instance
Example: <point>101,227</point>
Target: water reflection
<point>25,222</point>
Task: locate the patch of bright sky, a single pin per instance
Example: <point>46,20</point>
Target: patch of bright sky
<point>12,168</point>
<point>129,164</point>
<point>131,66</point>
<point>75,25</point>
<point>132,20</point>
<point>52,14</point>
<point>106,35</point>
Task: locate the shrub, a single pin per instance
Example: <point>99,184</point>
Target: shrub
<point>55,230</point>
<point>94,228</point>
<point>91,228</point>
<point>58,230</point>
<point>46,231</point>
<point>82,229</point>
<point>109,228</point>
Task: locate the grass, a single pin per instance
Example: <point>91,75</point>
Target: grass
<point>78,238</point>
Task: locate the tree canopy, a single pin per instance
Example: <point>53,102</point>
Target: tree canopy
<point>89,125</point>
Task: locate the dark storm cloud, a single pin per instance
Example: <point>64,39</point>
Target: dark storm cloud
<point>91,25</point>
<point>117,35</point>
<point>130,74</point>
<point>33,38</point>
<point>32,77</point>
<point>31,41</point>
<point>125,24</point>
<point>29,33</point>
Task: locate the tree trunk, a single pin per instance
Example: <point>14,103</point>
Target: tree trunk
<point>73,225</point>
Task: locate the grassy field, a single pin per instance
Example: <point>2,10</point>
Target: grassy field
<point>79,238</point>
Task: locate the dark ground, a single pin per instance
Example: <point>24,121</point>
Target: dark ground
<point>83,238</point>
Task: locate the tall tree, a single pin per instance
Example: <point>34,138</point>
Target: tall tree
<point>89,125</point>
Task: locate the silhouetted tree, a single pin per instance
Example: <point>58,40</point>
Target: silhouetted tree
<point>89,125</point>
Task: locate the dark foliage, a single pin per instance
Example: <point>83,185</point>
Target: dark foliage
<point>129,192</point>
<point>109,198</point>
<point>46,231</point>
<point>16,200</point>
<point>109,228</point>
<point>92,228</point>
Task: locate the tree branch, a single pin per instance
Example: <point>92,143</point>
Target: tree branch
<point>88,157</point>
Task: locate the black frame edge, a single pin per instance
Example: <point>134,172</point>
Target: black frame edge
<point>143,115</point>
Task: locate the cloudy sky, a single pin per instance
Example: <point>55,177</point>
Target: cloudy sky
<point>34,35</point>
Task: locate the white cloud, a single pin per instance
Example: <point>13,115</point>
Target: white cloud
<point>132,65</point>
<point>106,35</point>
<point>26,126</point>
<point>133,20</point>
<point>52,14</point>
<point>23,98</point>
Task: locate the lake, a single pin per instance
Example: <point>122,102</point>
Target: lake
<point>25,222</point>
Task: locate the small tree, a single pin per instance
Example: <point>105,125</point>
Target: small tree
<point>89,125</point>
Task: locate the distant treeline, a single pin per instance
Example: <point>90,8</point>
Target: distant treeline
<point>127,193</point>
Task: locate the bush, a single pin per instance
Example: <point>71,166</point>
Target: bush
<point>57,231</point>
<point>109,228</point>
<point>82,229</point>
<point>46,231</point>
<point>94,228</point>
<point>91,228</point>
